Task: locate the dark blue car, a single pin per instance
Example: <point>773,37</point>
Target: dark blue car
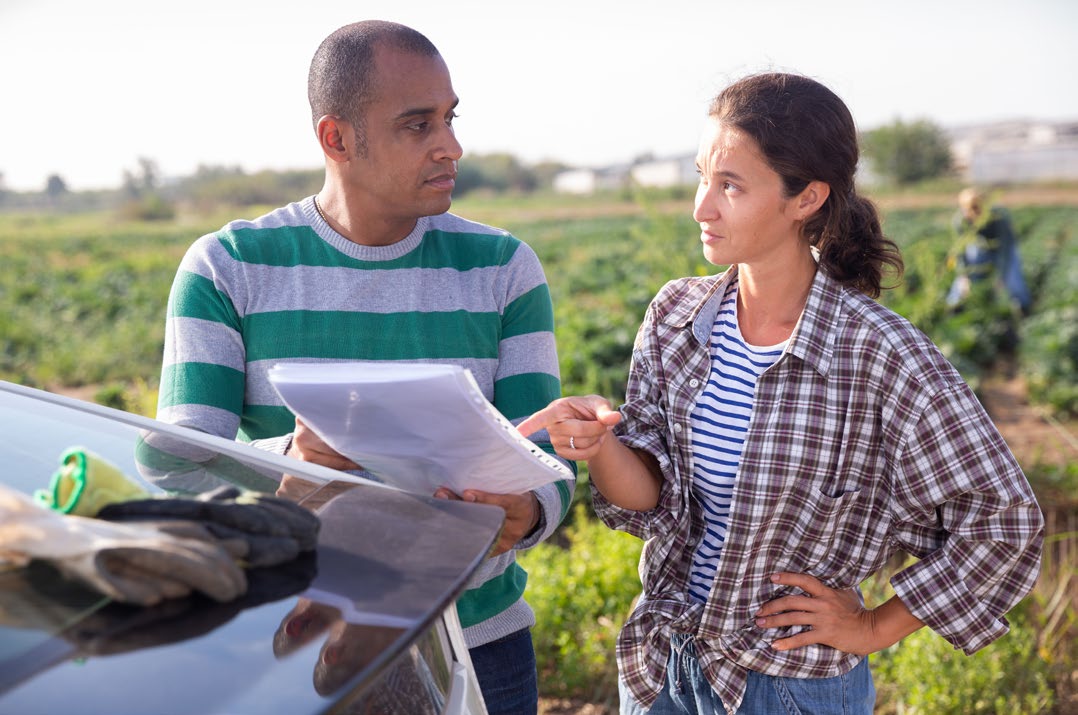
<point>363,624</point>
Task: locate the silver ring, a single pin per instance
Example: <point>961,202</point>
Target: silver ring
<point>571,445</point>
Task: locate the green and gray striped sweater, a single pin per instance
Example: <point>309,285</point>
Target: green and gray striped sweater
<point>286,287</point>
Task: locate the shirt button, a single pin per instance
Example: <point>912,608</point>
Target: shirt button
<point>677,428</point>
<point>694,382</point>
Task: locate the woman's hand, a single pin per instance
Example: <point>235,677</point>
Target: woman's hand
<point>577,426</point>
<point>835,617</point>
<point>581,429</point>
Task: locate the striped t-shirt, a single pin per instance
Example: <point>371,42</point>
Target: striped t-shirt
<point>720,420</point>
<point>286,287</point>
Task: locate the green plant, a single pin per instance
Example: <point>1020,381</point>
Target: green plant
<point>581,595</point>
<point>1019,674</point>
<point>82,302</point>
<point>925,675</point>
<point>138,397</point>
<point>149,207</point>
<point>1052,609</point>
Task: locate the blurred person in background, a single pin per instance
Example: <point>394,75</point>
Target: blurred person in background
<point>784,435</point>
<point>988,251</point>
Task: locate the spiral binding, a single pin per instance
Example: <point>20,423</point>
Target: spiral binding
<point>508,427</point>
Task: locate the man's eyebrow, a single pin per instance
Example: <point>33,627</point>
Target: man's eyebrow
<point>422,111</point>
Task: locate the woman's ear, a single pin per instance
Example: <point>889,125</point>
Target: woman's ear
<point>811,198</point>
<point>331,131</point>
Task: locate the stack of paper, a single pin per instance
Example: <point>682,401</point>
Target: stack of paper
<point>416,426</point>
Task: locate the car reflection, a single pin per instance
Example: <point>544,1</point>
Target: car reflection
<point>364,624</point>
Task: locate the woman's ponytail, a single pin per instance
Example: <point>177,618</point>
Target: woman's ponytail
<point>853,249</point>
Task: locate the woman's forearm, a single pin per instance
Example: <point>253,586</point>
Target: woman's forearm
<point>627,477</point>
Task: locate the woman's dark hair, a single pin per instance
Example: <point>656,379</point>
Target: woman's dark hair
<point>806,133</point>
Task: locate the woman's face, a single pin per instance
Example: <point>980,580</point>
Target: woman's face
<point>743,214</point>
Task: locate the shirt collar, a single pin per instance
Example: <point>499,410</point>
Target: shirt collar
<point>813,338</point>
<point>697,302</point>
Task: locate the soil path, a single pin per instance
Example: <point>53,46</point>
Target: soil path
<point>1034,436</point>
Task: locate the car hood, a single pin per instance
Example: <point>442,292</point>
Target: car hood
<point>308,636</point>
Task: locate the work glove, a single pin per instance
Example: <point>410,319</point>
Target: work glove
<point>275,530</point>
<point>38,597</point>
<point>85,482</point>
<point>120,629</point>
<point>130,563</point>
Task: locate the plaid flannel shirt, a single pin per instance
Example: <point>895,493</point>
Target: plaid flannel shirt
<point>864,441</point>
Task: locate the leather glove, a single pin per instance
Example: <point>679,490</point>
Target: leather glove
<point>39,598</point>
<point>127,562</point>
<point>275,530</point>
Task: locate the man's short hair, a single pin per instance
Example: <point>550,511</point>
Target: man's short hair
<point>341,78</point>
<point>971,201</point>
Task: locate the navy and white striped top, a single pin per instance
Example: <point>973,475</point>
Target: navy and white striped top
<point>719,422</point>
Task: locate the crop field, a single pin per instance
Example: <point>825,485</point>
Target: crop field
<point>82,309</point>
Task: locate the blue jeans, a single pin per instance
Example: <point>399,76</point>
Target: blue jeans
<point>849,694</point>
<point>505,669</point>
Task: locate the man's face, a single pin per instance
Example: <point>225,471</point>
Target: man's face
<point>408,166</point>
<point>972,210</point>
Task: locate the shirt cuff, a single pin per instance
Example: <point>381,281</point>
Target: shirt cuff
<point>935,595</point>
<point>549,503</point>
<point>276,445</point>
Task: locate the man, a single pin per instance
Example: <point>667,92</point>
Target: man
<point>373,268</point>
<point>991,245</point>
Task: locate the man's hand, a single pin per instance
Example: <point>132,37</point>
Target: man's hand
<point>309,447</point>
<point>836,618</point>
<point>522,512</point>
<point>295,489</point>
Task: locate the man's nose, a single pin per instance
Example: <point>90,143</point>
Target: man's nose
<point>449,147</point>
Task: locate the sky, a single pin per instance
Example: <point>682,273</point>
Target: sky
<point>89,88</point>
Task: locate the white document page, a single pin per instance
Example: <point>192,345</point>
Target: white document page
<point>415,426</point>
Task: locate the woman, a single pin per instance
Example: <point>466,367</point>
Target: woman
<point>783,435</point>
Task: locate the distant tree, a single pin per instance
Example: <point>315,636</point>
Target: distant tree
<point>494,172</point>
<point>545,171</point>
<point>469,177</point>
<point>910,152</point>
<point>55,187</point>
<point>143,200</point>
<point>213,186</point>
<point>143,181</point>
<point>149,172</point>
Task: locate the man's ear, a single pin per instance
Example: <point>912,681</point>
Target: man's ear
<point>332,132</point>
<point>811,198</point>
